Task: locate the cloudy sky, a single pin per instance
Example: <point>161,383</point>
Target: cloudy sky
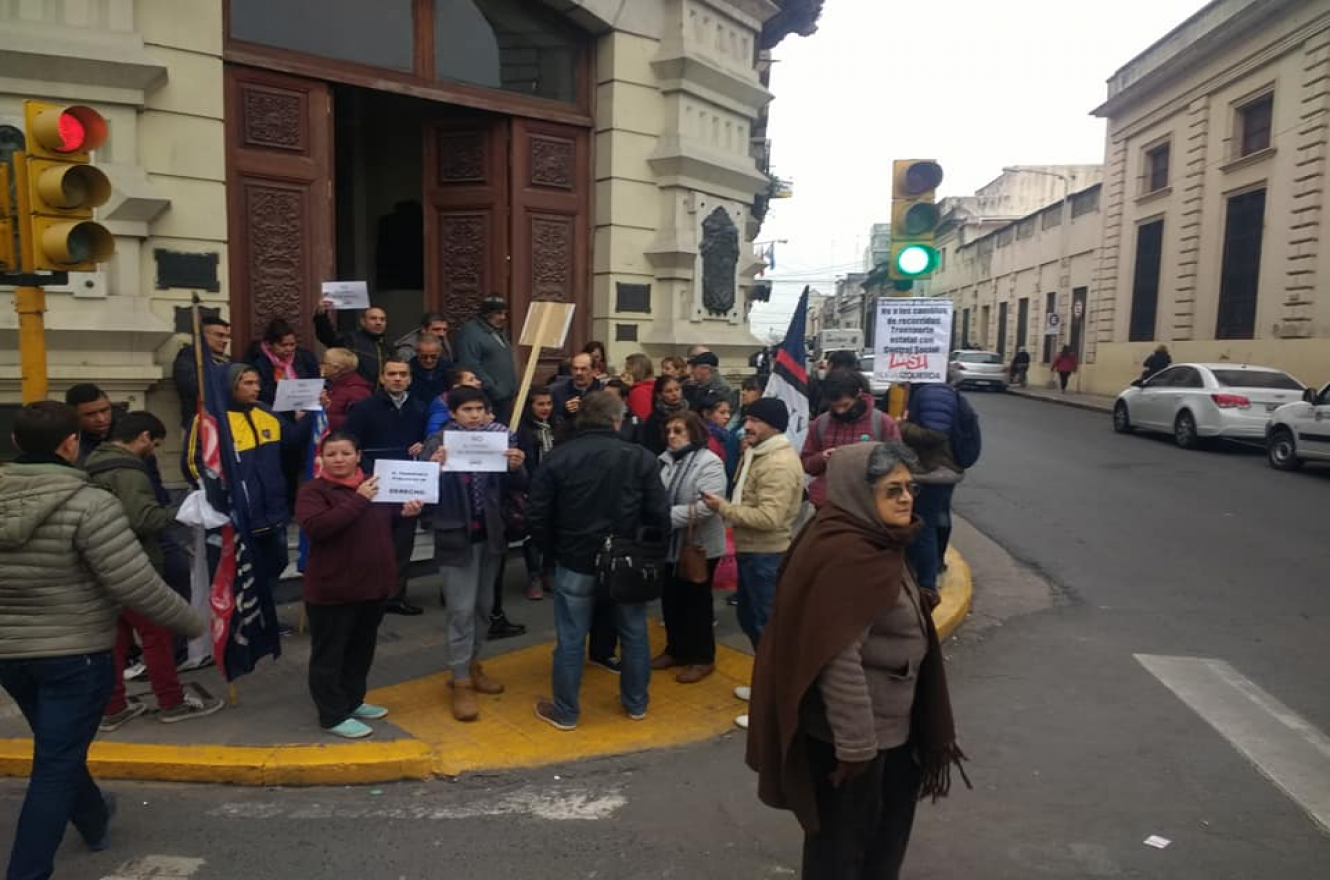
<point>994,84</point>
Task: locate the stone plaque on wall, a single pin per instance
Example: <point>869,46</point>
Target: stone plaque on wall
<point>720,261</point>
<point>625,332</point>
<point>187,270</point>
<point>632,297</point>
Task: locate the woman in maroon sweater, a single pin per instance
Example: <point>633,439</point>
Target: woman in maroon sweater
<point>349,574</point>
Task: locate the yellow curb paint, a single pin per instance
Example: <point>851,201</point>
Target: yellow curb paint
<point>507,735</point>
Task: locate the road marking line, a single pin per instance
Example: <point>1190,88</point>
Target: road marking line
<point>1283,745</point>
<point>566,806</point>
<point>157,868</point>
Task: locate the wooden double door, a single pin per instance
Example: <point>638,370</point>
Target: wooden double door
<point>505,198</point>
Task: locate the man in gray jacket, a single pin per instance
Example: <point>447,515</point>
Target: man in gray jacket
<point>68,562</point>
<point>484,349</point>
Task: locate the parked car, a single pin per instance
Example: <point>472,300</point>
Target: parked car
<point>879,387</point>
<point>978,369</point>
<point>1198,401</point>
<point>1300,432</point>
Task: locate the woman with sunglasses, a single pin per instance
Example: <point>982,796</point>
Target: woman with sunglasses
<point>689,469</point>
<point>850,722</point>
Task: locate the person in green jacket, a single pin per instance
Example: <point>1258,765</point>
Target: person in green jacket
<point>120,466</point>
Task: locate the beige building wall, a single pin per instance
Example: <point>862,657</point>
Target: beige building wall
<point>1186,91</point>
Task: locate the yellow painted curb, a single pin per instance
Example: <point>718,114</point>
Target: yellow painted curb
<point>957,594</point>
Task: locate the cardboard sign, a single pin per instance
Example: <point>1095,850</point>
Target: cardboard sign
<point>347,294</point>
<point>912,340</point>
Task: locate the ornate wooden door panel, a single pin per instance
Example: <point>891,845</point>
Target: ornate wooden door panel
<point>466,213</point>
<point>280,209</point>
<point>551,180</point>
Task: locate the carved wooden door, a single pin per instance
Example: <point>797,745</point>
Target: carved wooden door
<point>281,213</point>
<point>551,180</point>
<point>466,214</point>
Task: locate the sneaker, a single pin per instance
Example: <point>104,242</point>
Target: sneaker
<point>545,712</point>
<point>136,670</point>
<point>405,608</point>
<point>285,630</point>
<point>103,843</point>
<point>132,710</point>
<point>637,716</point>
<point>194,706</point>
<point>192,665</point>
<point>609,664</point>
<point>350,729</point>
<point>534,591</point>
<point>370,712</point>
<point>732,601</point>
<point>743,693</point>
<point>741,722</point>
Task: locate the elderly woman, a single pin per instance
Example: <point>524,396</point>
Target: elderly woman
<point>346,387</point>
<point>688,469</point>
<point>850,721</point>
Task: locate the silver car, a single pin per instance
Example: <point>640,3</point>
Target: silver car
<point>1196,401</point>
<point>978,369</point>
<point>880,387</point>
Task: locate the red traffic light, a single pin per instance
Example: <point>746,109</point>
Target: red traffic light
<point>71,132</point>
<point>63,131</point>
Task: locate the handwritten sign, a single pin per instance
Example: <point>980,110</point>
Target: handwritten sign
<point>298,394</point>
<point>347,294</point>
<point>402,481</point>
<point>476,452</point>
<point>913,335</point>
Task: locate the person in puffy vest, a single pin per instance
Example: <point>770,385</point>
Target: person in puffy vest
<point>932,415</point>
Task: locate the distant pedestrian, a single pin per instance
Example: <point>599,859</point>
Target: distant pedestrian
<point>668,400</point>
<point>689,468</point>
<point>69,563</point>
<point>850,417</point>
<point>368,341</point>
<point>349,574</point>
<point>1020,368</point>
<point>469,540</point>
<point>1157,362</point>
<point>851,719</point>
<point>588,489</point>
<point>484,349</point>
<point>346,387</point>
<point>1064,365</point>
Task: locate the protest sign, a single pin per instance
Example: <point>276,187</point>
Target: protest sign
<point>347,294</point>
<point>298,394</point>
<point>401,481</point>
<point>912,339</point>
<point>476,451</point>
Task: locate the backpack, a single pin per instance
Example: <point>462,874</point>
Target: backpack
<point>877,426</point>
<point>966,440</point>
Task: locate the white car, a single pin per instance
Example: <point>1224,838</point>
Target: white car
<point>1300,432</point>
<point>1198,401</point>
<point>880,387</point>
<point>978,369</point>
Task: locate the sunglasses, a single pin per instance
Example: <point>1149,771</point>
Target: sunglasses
<point>894,491</point>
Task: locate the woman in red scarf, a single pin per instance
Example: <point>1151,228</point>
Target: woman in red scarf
<point>349,574</point>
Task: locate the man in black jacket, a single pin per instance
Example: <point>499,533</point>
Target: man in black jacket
<point>367,340</point>
<point>185,372</point>
<point>390,424</point>
<point>588,488</point>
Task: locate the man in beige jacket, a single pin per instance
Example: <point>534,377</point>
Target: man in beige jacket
<point>768,493</point>
<point>69,562</point>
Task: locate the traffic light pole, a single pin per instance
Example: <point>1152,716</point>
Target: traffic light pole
<point>30,303</point>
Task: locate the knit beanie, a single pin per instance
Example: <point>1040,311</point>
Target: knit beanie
<point>770,410</point>
<point>233,374</point>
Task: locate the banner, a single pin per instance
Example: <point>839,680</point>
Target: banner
<point>912,340</point>
<point>789,375</point>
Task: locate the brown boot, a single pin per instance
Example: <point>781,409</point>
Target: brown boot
<point>663,661</point>
<point>695,673</point>
<point>465,707</point>
<point>482,683</point>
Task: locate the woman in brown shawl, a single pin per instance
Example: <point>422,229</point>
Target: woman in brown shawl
<point>850,719</point>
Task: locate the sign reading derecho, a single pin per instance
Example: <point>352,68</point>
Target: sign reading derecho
<point>912,338</point>
<point>401,481</point>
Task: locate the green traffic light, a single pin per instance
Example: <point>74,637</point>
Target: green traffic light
<point>916,259</point>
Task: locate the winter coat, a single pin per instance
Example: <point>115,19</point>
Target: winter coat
<point>185,377</point>
<point>371,350</point>
<point>451,518</point>
<point>487,352</point>
<point>68,562</point>
<point>1065,363</point>
<point>641,397</point>
<point>561,393</point>
<point>429,383</point>
<point>406,349</point>
<point>438,414</point>
<point>345,392</point>
<point>126,476</point>
<point>591,487</point>
<point>935,406</point>
<point>685,480</point>
<point>305,362</point>
<point>936,464</point>
<point>351,555</point>
<point>841,433</point>
<point>259,436</point>
<point>767,497</point>
<point>386,430</point>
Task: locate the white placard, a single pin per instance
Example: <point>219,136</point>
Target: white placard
<point>912,339</point>
<point>401,481</point>
<point>347,294</point>
<point>476,451</point>
<point>298,394</point>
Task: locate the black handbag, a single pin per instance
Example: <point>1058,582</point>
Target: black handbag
<point>632,570</point>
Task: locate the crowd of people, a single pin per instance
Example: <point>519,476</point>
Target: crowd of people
<point>594,453</point>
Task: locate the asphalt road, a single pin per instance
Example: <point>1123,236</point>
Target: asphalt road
<point>1089,549</point>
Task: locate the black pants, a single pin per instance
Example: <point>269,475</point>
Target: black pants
<point>404,541</point>
<point>690,634</point>
<point>342,640</point>
<point>865,824</point>
<point>604,640</point>
<point>496,612</point>
<point>1063,378</point>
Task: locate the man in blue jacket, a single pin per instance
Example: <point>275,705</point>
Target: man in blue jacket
<point>390,424</point>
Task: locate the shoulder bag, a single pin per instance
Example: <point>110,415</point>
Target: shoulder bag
<point>632,569</point>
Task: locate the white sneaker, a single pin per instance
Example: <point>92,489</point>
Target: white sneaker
<point>743,693</point>
<point>741,722</point>
<point>135,671</point>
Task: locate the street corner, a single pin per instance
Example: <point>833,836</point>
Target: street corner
<point>957,595</point>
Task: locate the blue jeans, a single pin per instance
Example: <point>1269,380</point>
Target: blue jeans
<point>574,606</point>
<point>63,699</point>
<point>757,591</point>
<point>924,554</point>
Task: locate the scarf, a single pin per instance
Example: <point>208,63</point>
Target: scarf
<point>844,570</point>
<point>769,445</point>
<point>681,454</point>
<point>351,482</point>
<point>851,415</point>
<point>283,368</point>
<point>475,483</point>
<point>664,410</point>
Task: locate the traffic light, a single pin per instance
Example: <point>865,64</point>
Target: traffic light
<point>914,218</point>
<point>60,189</point>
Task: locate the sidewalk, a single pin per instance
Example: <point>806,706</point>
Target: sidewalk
<point>271,737</point>
<point>1093,402</point>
